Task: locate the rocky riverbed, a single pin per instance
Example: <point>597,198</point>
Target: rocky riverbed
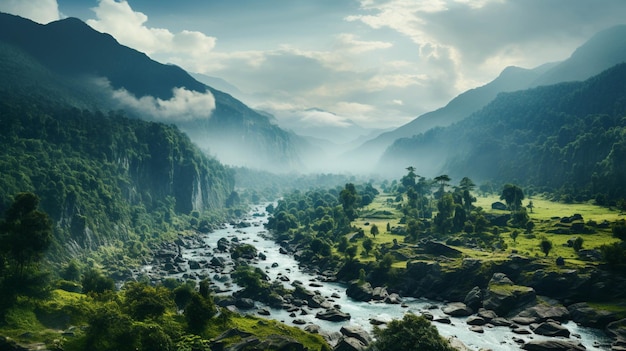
<point>320,305</point>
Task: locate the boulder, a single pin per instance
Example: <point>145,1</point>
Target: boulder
<point>393,299</point>
<point>475,320</point>
<point>617,329</point>
<point>502,296</point>
<point>357,333</point>
<point>379,293</point>
<point>333,315</point>
<point>553,345</point>
<point>360,291</point>
<point>218,261</point>
<point>349,344</point>
<point>299,321</point>
<point>477,329</point>
<point>487,314</point>
<point>498,206</point>
<point>543,312</point>
<point>551,329</point>
<point>244,303</point>
<point>313,328</point>
<point>457,309</point>
<point>442,320</point>
<point>474,298</point>
<point>587,316</point>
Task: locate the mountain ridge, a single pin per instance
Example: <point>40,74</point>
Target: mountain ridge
<point>598,53</point>
<point>71,47</point>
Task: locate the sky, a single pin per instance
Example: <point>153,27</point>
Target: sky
<point>378,63</point>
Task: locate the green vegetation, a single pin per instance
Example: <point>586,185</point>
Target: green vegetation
<point>108,183</point>
<point>412,333</point>
<point>565,139</point>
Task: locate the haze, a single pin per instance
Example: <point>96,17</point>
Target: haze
<point>378,64</point>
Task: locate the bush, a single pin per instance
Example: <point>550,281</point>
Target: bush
<point>412,333</point>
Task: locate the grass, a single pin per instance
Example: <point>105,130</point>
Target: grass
<point>262,328</point>
<point>544,215</point>
<point>545,209</point>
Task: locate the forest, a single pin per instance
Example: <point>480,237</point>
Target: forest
<point>566,139</point>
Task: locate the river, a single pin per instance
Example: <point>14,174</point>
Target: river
<point>278,265</point>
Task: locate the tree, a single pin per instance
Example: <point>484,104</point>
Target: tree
<point>412,333</point>
<point>578,244</point>
<point>514,234</point>
<point>95,281</point>
<point>198,312</point>
<point>443,180</point>
<point>351,252</point>
<point>513,196</point>
<point>349,198</point>
<point>26,232</point>
<point>530,206</point>
<point>546,246</point>
<point>374,230</point>
<point>368,245</point>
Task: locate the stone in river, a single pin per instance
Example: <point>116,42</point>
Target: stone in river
<point>333,315</point>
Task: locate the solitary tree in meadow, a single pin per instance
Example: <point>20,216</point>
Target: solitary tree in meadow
<point>546,246</point>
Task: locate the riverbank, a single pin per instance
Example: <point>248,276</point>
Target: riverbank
<point>208,256</point>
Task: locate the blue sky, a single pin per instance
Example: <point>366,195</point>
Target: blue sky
<point>379,63</point>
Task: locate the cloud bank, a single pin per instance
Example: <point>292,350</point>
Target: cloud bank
<point>185,105</point>
<point>41,11</point>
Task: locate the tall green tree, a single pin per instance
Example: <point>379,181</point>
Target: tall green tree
<point>349,199</point>
<point>513,196</point>
<point>26,233</point>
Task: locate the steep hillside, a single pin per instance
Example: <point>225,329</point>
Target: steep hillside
<point>602,51</point>
<point>567,138</point>
<point>71,48</point>
<point>104,179</point>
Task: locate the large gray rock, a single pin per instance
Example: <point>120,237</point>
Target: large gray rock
<point>356,332</point>
<point>474,298</point>
<point>502,296</point>
<point>360,291</point>
<point>457,309</point>
<point>543,312</point>
<point>551,329</point>
<point>333,315</point>
<point>349,344</point>
<point>587,316</point>
<point>271,342</point>
<point>553,345</point>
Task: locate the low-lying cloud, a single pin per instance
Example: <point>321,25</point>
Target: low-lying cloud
<point>185,105</point>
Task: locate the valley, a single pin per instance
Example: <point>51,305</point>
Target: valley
<point>142,208</point>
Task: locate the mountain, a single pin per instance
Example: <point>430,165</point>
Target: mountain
<point>602,51</point>
<point>566,138</point>
<point>233,132</point>
<point>104,179</point>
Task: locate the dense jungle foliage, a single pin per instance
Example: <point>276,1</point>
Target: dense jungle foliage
<point>105,180</point>
<point>568,139</point>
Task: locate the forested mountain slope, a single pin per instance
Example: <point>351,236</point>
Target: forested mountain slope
<point>569,137</point>
<point>602,51</point>
<point>71,48</point>
<point>102,178</point>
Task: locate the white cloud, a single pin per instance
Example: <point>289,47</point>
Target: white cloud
<point>129,28</point>
<point>185,105</point>
<point>41,11</point>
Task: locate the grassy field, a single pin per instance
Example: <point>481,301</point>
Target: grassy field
<point>545,215</point>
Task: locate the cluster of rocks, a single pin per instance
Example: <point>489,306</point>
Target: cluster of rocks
<point>504,304</point>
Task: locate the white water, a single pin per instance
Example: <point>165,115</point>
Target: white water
<point>496,338</point>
